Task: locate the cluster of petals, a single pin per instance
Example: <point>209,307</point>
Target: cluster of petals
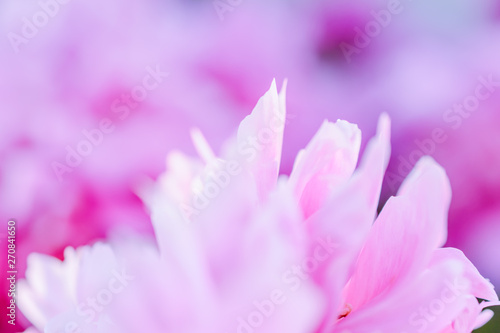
<point>240,248</point>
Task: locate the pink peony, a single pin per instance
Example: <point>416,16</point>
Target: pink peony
<point>239,249</point>
<point>87,56</point>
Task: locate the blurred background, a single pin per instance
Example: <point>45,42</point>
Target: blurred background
<point>94,94</point>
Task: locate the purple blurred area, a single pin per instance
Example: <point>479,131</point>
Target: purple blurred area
<point>95,94</point>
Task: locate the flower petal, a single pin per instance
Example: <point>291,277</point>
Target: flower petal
<point>327,162</point>
<point>260,139</point>
<point>347,216</point>
<point>428,303</point>
<point>403,237</point>
<point>481,287</point>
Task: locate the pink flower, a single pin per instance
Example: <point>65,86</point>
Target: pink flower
<point>240,249</point>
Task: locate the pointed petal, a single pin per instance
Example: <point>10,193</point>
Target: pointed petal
<point>260,140</point>
<point>442,298</point>
<point>48,288</point>
<point>480,287</point>
<point>202,146</point>
<point>428,303</point>
<point>404,236</point>
<point>428,182</point>
<point>327,162</point>
<point>348,214</point>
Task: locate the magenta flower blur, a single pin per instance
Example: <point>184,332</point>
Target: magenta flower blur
<point>241,249</point>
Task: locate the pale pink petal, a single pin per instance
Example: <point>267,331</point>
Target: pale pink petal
<point>428,303</point>
<point>260,139</point>
<point>270,248</point>
<point>428,184</point>
<point>483,318</point>
<point>48,288</point>
<point>469,319</point>
<point>347,216</point>
<point>481,287</point>
<point>403,237</point>
<point>327,162</point>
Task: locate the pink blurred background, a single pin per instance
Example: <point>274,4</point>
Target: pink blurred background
<point>66,73</point>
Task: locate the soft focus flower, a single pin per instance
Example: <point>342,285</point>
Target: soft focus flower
<point>66,78</point>
<point>239,249</point>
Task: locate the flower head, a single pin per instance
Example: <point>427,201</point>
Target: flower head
<point>240,249</point>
